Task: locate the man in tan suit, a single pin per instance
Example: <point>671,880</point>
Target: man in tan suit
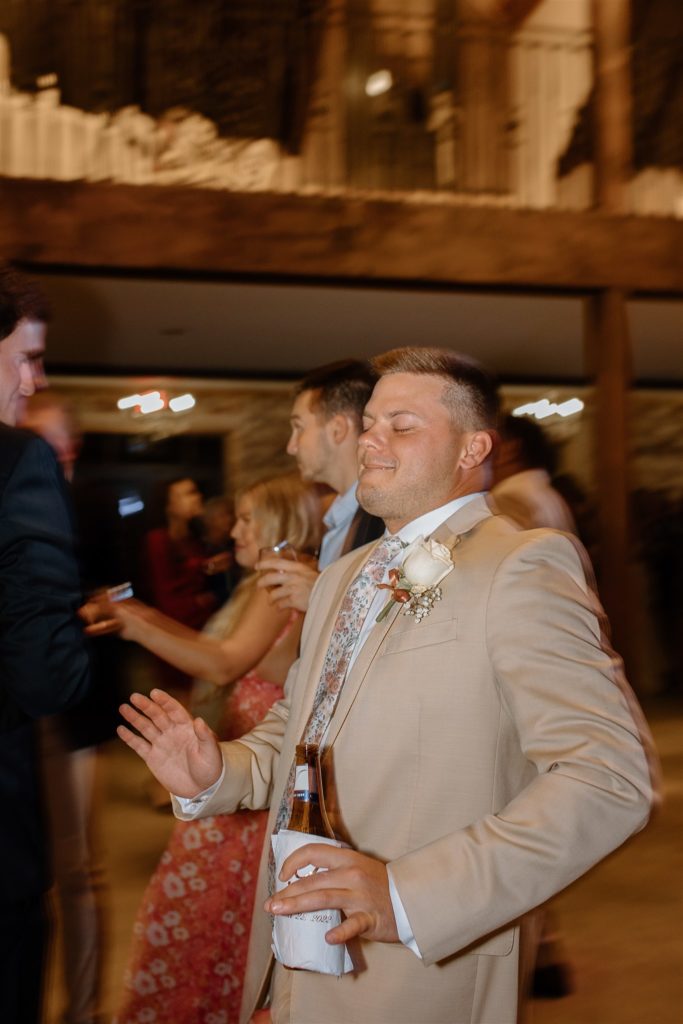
<point>523,464</point>
<point>478,760</point>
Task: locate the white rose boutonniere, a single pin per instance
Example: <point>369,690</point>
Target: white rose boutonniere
<point>416,583</point>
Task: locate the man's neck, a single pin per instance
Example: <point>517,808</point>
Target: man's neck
<point>343,475</point>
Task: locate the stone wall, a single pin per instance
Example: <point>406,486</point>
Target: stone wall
<point>252,417</point>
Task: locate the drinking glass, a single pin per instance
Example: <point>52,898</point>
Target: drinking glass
<point>281,550</point>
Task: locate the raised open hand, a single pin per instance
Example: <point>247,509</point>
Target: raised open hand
<point>181,751</point>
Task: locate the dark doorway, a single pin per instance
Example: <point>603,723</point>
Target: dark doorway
<point>119,492</point>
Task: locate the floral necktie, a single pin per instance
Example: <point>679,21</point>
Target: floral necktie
<point>344,637</point>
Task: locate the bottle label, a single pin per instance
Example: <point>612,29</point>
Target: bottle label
<point>305,786</point>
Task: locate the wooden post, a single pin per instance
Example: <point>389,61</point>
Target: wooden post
<point>607,335</point>
<point>609,360</point>
<point>613,111</point>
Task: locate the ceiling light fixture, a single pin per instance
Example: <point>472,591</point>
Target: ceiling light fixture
<point>182,402</point>
<point>155,401</point>
<point>379,82</point>
<point>129,402</point>
<point>151,402</point>
<point>541,409</point>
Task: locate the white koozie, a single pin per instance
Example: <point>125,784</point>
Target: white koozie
<point>299,939</point>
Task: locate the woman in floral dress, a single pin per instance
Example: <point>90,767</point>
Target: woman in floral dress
<point>191,935</point>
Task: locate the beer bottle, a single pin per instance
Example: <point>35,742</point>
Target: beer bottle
<point>308,805</point>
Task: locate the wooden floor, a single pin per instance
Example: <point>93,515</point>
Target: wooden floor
<point>623,923</point>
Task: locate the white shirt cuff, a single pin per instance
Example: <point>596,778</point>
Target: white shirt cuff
<point>192,806</point>
<point>405,932</point>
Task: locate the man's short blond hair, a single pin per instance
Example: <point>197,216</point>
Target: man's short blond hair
<point>471,392</point>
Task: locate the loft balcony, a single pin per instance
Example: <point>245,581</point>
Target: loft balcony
<point>413,142</point>
<point>431,100</point>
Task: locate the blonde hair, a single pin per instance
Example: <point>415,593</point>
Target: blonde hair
<point>286,508</point>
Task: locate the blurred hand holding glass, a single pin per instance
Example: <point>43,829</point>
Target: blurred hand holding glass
<point>97,611</point>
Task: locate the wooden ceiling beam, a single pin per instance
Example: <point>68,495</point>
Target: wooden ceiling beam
<point>164,229</point>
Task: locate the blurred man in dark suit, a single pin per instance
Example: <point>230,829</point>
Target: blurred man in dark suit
<point>43,660</point>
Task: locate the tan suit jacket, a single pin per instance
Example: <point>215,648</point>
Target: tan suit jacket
<point>492,753</point>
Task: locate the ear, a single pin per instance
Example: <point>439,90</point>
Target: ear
<point>476,449</point>
<point>339,427</point>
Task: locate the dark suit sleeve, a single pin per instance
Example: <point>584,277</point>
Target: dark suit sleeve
<point>367,528</point>
<point>43,658</point>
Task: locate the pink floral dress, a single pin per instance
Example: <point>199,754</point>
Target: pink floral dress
<point>191,934</point>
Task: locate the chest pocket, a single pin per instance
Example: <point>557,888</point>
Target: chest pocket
<point>422,634</point>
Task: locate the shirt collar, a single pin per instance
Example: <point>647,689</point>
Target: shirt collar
<point>425,525</point>
<point>342,509</point>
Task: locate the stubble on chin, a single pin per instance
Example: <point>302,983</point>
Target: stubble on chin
<point>394,506</point>
<point>366,497</point>
<point>375,501</point>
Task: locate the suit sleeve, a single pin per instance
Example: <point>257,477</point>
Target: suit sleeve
<point>43,658</point>
<point>251,763</point>
<point>577,724</point>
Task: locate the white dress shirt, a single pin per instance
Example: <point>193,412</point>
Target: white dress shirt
<point>337,519</point>
<point>423,526</point>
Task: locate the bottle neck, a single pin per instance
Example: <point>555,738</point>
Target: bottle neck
<point>308,812</point>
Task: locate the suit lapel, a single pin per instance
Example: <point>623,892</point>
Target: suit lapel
<point>448,533</point>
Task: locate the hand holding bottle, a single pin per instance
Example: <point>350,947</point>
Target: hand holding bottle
<point>354,883</point>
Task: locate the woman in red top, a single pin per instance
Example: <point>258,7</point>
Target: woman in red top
<point>176,573</point>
